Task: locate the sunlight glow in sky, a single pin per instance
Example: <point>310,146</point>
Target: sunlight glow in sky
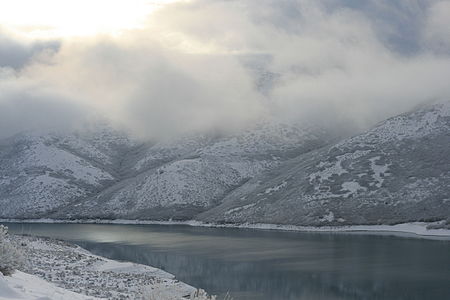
<point>66,18</point>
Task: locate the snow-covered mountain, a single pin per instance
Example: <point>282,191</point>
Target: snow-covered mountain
<point>101,173</point>
<point>40,173</point>
<point>399,171</point>
<point>180,178</point>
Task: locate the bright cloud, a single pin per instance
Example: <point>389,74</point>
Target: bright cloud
<point>220,65</point>
<point>65,18</point>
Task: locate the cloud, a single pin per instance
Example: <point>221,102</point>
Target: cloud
<point>153,90</point>
<point>16,52</point>
<point>220,65</point>
<point>27,106</point>
<point>348,61</point>
<point>436,34</point>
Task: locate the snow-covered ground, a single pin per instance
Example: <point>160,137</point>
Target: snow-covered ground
<point>30,287</point>
<point>432,230</point>
<point>58,270</point>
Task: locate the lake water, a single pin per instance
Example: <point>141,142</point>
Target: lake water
<point>271,265</point>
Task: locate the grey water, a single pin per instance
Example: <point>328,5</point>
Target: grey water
<point>273,265</point>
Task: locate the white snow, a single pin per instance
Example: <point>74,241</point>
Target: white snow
<point>85,148</point>
<point>352,187</point>
<point>185,181</point>
<point>328,217</point>
<point>29,287</point>
<point>378,170</point>
<point>236,209</point>
<point>108,265</point>
<point>275,188</point>
<point>62,161</point>
<point>75,269</point>
<point>415,125</point>
<point>328,169</point>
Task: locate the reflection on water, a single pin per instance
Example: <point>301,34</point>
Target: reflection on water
<point>273,265</point>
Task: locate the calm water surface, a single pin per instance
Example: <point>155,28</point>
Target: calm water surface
<point>269,265</point>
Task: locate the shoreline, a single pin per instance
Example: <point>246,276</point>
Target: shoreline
<point>54,266</point>
<point>412,229</point>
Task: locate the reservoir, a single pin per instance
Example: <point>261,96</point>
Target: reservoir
<point>272,265</point>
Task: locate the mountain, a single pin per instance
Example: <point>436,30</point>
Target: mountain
<point>40,173</point>
<point>399,171</point>
<point>102,173</point>
<point>177,179</point>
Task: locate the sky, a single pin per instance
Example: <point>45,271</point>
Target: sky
<point>165,68</point>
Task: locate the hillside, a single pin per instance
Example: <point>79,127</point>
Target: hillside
<point>399,171</point>
<point>101,173</point>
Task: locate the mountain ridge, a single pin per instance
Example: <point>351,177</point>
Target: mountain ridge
<point>360,180</point>
<point>398,171</point>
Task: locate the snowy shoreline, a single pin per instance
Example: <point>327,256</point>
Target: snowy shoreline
<point>412,229</point>
<point>58,270</point>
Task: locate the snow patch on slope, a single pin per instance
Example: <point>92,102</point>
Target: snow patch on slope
<point>352,187</point>
<point>328,217</point>
<point>380,171</point>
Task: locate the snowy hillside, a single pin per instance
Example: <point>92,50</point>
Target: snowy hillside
<point>98,172</point>
<point>273,173</point>
<point>397,172</point>
<point>177,179</point>
<point>43,171</point>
